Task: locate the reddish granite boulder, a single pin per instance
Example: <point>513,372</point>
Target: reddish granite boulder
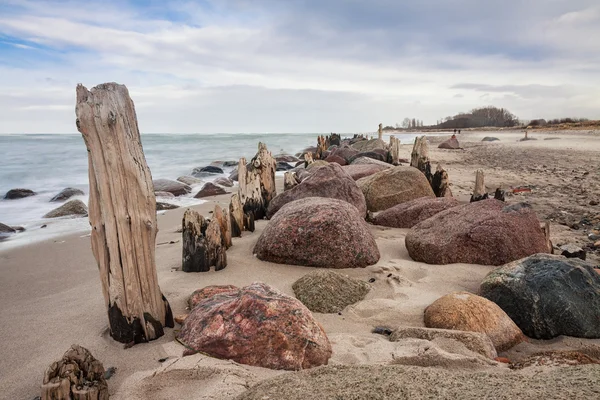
<point>318,232</point>
<point>207,292</point>
<point>210,189</point>
<point>485,232</point>
<point>394,186</point>
<point>464,311</point>
<point>344,152</point>
<point>256,325</point>
<point>451,144</point>
<point>357,171</point>
<point>407,215</point>
<point>327,181</point>
<point>336,159</point>
<point>368,154</point>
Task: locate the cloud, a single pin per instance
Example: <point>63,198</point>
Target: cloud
<point>245,65</point>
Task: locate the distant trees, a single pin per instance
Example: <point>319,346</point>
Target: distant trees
<point>480,117</point>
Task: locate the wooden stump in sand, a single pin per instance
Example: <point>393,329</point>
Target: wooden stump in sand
<point>77,376</point>
<point>202,243</point>
<point>321,147</point>
<point>395,150</point>
<point>380,132</point>
<point>420,157</point>
<point>308,159</point>
<point>222,216</point>
<point>236,212</point>
<point>479,192</point>
<point>440,183</point>
<point>257,183</point>
<point>122,213</point>
<point>289,180</point>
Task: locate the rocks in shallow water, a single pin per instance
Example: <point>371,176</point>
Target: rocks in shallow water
<point>464,311</point>
<point>451,144</point>
<point>477,342</point>
<point>407,215</point>
<point>283,166</point>
<point>394,186</point>
<point>329,181</point>
<point>572,251</point>
<point>160,206</point>
<point>67,193</point>
<point>209,291</point>
<point>318,232</point>
<point>210,189</point>
<point>164,194</point>
<point>288,158</point>
<point>14,194</point>
<point>256,325</point>
<point>485,232</point>
<point>6,231</point>
<point>71,207</point>
<point>224,181</point>
<point>357,171</point>
<point>547,296</point>
<point>174,187</point>
<point>329,291</point>
<point>189,180</point>
<point>199,172</point>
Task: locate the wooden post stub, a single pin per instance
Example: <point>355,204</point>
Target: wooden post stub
<point>257,183</point>
<point>236,211</point>
<point>394,150</point>
<point>380,132</point>
<point>479,192</point>
<point>223,218</point>
<point>440,183</point>
<point>202,243</point>
<point>289,180</point>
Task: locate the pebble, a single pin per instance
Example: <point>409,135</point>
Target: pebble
<point>593,202</point>
<point>593,237</point>
<point>110,371</point>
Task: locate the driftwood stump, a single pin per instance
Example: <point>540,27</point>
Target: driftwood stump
<point>333,140</point>
<point>236,212</point>
<point>308,159</point>
<point>222,216</point>
<point>440,183</point>
<point>321,147</point>
<point>77,376</point>
<point>394,150</point>
<point>289,180</point>
<point>380,132</point>
<point>257,183</point>
<point>420,156</point>
<point>479,192</point>
<point>202,243</point>
<point>122,213</point>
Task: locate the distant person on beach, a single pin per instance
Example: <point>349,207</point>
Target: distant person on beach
<point>459,131</point>
<point>455,131</point>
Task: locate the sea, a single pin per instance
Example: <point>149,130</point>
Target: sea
<point>48,163</point>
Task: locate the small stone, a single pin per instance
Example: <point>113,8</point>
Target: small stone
<point>572,251</point>
<point>180,318</point>
<point>593,236</point>
<point>371,280</point>
<point>593,202</point>
<point>44,226</point>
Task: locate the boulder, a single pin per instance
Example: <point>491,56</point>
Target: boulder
<point>189,180</point>
<point>572,251</point>
<point>283,166</point>
<point>222,164</point>
<point>464,311</point>
<point>489,139</point>
<point>547,296</point>
<point>451,144</point>
<point>328,181</point>
<point>210,189</point>
<point>167,185</point>
<point>199,172</point>
<point>344,152</point>
<point>14,194</point>
<point>6,231</point>
<point>160,206</point>
<point>407,215</point>
<point>256,325</point>
<point>234,175</point>
<point>209,291</point>
<point>224,181</point>
<point>316,164</point>
<point>167,195</point>
<point>369,154</point>
<point>370,161</point>
<point>336,159</point>
<point>369,145</point>
<point>288,158</point>
<point>394,186</point>
<point>357,171</point>
<point>71,207</point>
<point>329,291</point>
<point>477,342</point>
<point>485,232</point>
<point>318,232</point>
<point>67,193</point>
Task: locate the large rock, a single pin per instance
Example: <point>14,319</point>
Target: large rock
<point>318,232</point>
<point>547,296</point>
<point>316,164</point>
<point>167,185</point>
<point>285,158</point>
<point>200,172</point>
<point>328,181</point>
<point>394,186</point>
<point>210,189</point>
<point>256,325</point>
<point>344,152</point>
<point>329,291</point>
<point>283,166</point>
<point>14,194</point>
<point>226,182</point>
<point>71,207</point>
<point>451,144</point>
<point>369,154</point>
<point>370,161</point>
<point>189,180</point>
<point>160,206</point>
<point>209,291</point>
<point>485,232</point>
<point>166,195</point>
<point>407,215</point>
<point>67,193</point>
<point>464,311</point>
<point>357,171</point>
<point>369,145</point>
<point>336,159</point>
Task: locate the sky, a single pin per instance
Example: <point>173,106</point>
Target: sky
<point>229,66</point>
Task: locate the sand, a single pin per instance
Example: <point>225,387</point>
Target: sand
<point>50,298</point>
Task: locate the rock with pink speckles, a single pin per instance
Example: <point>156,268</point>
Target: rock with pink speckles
<point>318,232</point>
<point>256,325</point>
<point>209,291</point>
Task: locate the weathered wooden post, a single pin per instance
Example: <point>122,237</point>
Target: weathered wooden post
<point>289,180</point>
<point>380,132</point>
<point>122,213</point>
<point>257,184</point>
<point>440,182</point>
<point>395,150</point>
<point>202,243</point>
<point>479,192</point>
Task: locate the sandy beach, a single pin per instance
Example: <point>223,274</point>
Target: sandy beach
<point>51,297</point>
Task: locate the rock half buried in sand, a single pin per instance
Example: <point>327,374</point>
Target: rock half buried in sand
<point>451,144</point>
<point>318,232</point>
<point>464,311</point>
<point>210,189</point>
<point>71,207</point>
<point>370,161</point>
<point>160,206</point>
<point>336,159</point>
<point>67,193</point>
<point>369,145</point>
<point>485,232</point>
<point>329,291</point>
<point>189,180</point>
<point>547,296</point>
<point>368,154</point>
<point>256,325</point>
<point>209,291</point>
<point>329,181</point>
<point>394,186</point>
<point>477,342</point>
<point>357,171</point>
<point>174,187</point>
<point>14,194</point>
<point>407,215</point>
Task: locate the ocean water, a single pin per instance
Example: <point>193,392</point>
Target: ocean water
<point>48,163</point>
